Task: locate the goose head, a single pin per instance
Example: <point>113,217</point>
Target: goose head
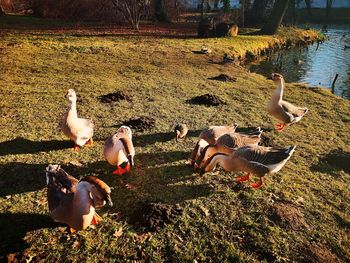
<point>277,78</point>
<point>126,130</point>
<point>71,95</point>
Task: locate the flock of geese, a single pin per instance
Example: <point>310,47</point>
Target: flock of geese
<point>74,202</point>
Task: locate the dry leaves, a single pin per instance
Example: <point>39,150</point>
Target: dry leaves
<point>118,233</point>
<point>130,186</point>
<point>205,210</point>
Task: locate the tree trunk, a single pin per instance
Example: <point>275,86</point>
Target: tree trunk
<point>202,9</point>
<point>291,14</point>
<point>275,19</point>
<point>308,7</point>
<point>258,10</point>
<point>329,4</point>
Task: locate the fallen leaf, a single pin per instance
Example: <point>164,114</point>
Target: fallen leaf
<point>142,237</point>
<point>116,216</point>
<point>205,210</point>
<point>11,258</point>
<point>76,163</point>
<point>118,233</point>
<point>130,186</point>
<point>76,244</point>
<point>41,201</point>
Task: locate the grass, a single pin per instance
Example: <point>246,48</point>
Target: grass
<point>221,222</point>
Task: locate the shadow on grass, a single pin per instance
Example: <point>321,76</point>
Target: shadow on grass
<point>17,177</point>
<point>144,139</point>
<point>15,226</point>
<point>22,146</point>
<point>334,161</point>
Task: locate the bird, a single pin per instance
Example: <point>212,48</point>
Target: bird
<point>74,202</point>
<point>252,159</point>
<point>285,112</point>
<point>181,131</point>
<point>226,143</point>
<point>79,130</point>
<point>209,136</point>
<point>206,50</point>
<point>119,150</point>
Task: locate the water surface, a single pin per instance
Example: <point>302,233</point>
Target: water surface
<point>315,65</point>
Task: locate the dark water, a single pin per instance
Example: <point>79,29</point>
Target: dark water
<point>316,66</point>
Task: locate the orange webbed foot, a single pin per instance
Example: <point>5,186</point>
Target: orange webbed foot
<point>280,126</point>
<point>120,170</point>
<point>90,142</point>
<point>257,184</point>
<point>243,178</point>
<point>96,219</point>
<point>76,148</point>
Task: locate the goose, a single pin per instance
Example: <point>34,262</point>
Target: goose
<point>283,111</point>
<point>227,142</point>
<point>209,136</point>
<point>77,129</point>
<point>251,159</point>
<point>119,150</point>
<point>74,202</point>
<point>181,131</point>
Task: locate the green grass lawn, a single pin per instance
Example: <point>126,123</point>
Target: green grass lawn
<point>300,213</point>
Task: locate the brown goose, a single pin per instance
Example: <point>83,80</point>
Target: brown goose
<point>77,129</point>
<point>283,111</point>
<point>227,142</point>
<point>181,131</point>
<point>209,136</point>
<point>256,160</point>
<point>73,202</point>
<point>119,150</point>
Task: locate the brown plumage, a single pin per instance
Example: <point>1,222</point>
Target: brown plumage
<point>283,111</point>
<point>227,142</point>
<point>73,202</point>
<point>209,136</point>
<point>254,159</point>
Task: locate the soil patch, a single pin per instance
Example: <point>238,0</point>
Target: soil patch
<point>338,159</point>
<point>267,141</point>
<point>116,96</point>
<point>155,215</point>
<point>208,100</point>
<point>289,216</point>
<point>317,254</point>
<point>141,123</point>
<point>224,77</point>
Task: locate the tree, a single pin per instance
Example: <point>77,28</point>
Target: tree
<point>160,11</point>
<point>258,11</point>
<point>329,4</point>
<point>308,7</point>
<point>132,10</point>
<point>275,18</point>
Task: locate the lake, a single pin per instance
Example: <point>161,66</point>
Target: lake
<point>316,65</point>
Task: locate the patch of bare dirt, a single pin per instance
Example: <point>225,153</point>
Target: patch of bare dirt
<point>338,159</point>
<point>318,254</point>
<point>116,96</point>
<point>141,123</point>
<point>224,77</point>
<point>155,215</point>
<point>208,100</point>
<point>288,215</point>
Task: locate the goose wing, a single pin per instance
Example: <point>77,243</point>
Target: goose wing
<point>293,110</point>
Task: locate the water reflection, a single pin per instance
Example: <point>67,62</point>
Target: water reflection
<point>314,65</point>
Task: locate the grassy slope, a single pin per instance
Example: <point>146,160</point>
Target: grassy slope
<point>161,74</point>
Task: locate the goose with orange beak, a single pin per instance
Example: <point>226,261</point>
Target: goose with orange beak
<point>119,150</point>
<point>285,112</point>
<point>251,159</point>
<point>79,130</point>
<point>74,202</point>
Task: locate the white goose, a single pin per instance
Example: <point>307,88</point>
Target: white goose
<point>282,110</point>
<point>79,130</point>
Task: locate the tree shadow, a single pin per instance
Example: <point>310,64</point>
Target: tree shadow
<point>334,161</point>
<point>15,226</point>
<point>24,146</point>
